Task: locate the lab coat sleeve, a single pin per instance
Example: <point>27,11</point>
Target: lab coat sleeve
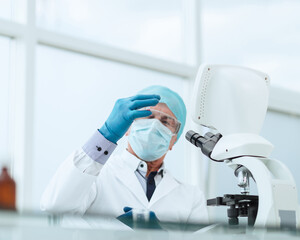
<point>73,187</point>
<point>199,212</point>
<point>99,149</point>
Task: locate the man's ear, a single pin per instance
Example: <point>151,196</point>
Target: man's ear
<point>172,142</point>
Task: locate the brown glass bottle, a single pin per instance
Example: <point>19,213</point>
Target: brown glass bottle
<point>7,191</point>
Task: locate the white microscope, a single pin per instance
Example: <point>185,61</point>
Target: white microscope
<point>233,100</point>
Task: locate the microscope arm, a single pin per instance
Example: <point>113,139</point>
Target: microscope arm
<point>278,198</point>
<point>238,113</point>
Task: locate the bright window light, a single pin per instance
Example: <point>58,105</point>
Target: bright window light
<point>263,35</point>
<point>5,9</point>
<point>150,27</point>
<point>4,99</point>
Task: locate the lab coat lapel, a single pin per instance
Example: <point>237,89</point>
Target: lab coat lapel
<point>130,181</point>
<point>167,184</point>
<point>127,176</point>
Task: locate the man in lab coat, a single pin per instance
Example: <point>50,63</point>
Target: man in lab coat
<point>89,181</point>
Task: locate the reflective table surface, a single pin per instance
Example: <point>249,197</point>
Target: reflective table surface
<point>33,226</point>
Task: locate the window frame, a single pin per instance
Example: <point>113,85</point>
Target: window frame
<point>27,36</point>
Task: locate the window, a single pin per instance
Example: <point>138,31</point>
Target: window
<point>148,45</point>
<point>282,130</point>
<point>259,34</point>
<point>4,99</point>
<point>150,27</point>
<point>5,9</point>
<point>115,44</point>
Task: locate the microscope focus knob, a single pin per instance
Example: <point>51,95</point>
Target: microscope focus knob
<point>233,214</point>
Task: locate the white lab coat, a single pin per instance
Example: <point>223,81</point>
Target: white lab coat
<point>117,186</point>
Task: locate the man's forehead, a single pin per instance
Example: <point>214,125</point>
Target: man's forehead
<point>164,108</point>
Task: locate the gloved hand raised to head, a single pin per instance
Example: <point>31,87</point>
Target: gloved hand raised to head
<point>123,114</point>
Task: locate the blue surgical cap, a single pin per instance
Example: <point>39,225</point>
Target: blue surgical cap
<point>172,100</point>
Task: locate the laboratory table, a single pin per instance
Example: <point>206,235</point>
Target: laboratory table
<point>41,226</point>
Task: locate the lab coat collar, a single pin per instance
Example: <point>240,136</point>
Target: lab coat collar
<point>143,167</point>
<point>130,160</point>
<point>161,170</point>
<point>134,163</point>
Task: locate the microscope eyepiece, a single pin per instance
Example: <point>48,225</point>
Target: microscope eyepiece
<point>206,142</point>
<point>194,138</point>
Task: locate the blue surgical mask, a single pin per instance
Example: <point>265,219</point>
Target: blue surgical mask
<point>149,139</point>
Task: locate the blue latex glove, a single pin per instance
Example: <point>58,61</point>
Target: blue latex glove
<point>123,114</point>
<point>127,219</point>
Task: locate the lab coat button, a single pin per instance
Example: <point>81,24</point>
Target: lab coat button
<point>99,148</point>
<point>106,152</point>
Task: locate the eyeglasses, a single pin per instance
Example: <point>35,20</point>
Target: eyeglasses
<point>170,122</point>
